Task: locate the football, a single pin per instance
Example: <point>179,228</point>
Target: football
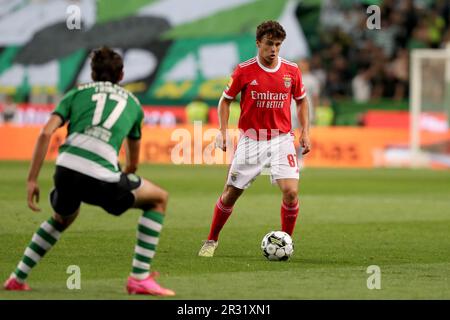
<point>277,246</point>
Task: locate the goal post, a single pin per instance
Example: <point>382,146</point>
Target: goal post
<point>429,95</point>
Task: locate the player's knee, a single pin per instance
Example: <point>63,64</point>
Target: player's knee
<point>227,200</point>
<point>229,197</point>
<point>290,196</point>
<point>64,222</point>
<point>161,203</point>
<point>164,197</point>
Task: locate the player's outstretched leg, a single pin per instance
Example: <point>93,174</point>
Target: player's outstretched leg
<point>42,241</point>
<point>222,211</point>
<point>289,204</point>
<point>153,200</point>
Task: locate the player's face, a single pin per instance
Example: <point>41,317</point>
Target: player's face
<point>268,49</point>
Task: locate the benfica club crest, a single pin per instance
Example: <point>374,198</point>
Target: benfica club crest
<point>287,81</point>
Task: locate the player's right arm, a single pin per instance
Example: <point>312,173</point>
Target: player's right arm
<point>224,115</point>
<point>39,153</point>
<point>233,88</point>
<point>60,115</point>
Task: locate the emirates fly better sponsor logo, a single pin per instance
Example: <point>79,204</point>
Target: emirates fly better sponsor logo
<point>269,100</point>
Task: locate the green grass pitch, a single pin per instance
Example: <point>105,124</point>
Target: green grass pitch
<point>396,219</point>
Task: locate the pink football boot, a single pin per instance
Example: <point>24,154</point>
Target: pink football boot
<point>13,285</point>
<point>148,286</point>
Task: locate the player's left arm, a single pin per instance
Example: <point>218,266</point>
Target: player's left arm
<point>39,154</point>
<point>303,118</point>
<point>133,144</point>
<point>132,149</point>
<point>299,93</point>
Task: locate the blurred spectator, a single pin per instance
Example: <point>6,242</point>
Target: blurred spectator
<point>361,86</point>
<point>409,11</point>
<point>324,113</point>
<point>420,36</point>
<point>377,79</point>
<point>312,86</point>
<point>318,71</point>
<point>353,19</point>
<point>445,39</point>
<point>336,88</point>
<point>330,15</point>
<point>197,110</point>
<point>387,36</point>
<point>400,70</point>
<point>442,7</point>
<point>400,65</point>
<point>9,110</point>
<point>389,84</point>
<point>436,27</point>
<point>360,33</point>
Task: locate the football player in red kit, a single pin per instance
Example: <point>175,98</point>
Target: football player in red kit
<point>267,84</point>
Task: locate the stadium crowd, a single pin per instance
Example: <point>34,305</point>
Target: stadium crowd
<point>367,64</point>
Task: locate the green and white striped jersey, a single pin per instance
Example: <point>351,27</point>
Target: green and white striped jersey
<point>100,115</point>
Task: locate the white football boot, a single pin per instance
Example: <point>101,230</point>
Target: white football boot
<point>208,248</point>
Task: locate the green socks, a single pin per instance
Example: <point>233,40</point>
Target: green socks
<point>149,229</point>
<point>43,240</point>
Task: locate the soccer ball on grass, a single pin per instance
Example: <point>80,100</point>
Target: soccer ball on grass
<point>277,246</point>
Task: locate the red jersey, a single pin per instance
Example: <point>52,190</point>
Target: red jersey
<point>265,95</point>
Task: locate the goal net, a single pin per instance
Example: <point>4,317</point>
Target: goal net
<point>430,107</point>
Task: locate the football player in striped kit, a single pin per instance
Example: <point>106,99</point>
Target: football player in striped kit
<point>100,116</point>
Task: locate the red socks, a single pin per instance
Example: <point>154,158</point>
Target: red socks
<point>289,214</point>
<point>221,214</point>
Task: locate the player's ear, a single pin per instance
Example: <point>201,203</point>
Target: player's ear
<point>258,43</point>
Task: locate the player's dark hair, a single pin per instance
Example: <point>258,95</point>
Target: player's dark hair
<point>106,65</point>
<point>272,29</point>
